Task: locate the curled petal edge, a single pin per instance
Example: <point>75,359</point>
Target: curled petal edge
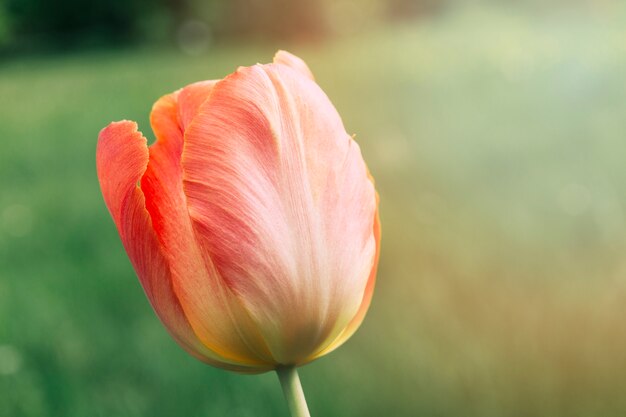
<point>121,159</point>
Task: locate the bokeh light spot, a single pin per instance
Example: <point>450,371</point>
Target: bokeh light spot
<point>194,37</point>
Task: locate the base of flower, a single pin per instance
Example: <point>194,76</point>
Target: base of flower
<point>292,389</point>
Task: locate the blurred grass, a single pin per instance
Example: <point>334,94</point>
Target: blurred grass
<point>496,137</point>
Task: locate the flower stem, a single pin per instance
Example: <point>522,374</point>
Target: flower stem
<point>290,382</point>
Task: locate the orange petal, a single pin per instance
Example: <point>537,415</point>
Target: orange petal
<point>122,157</point>
<point>191,98</point>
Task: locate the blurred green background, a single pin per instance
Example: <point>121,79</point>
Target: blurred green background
<point>496,132</point>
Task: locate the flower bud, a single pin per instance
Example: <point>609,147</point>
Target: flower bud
<point>252,221</point>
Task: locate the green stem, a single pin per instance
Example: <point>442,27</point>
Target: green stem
<point>289,380</point>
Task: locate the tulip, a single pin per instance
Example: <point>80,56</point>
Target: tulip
<point>251,222</point>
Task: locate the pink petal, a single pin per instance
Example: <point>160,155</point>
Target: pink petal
<point>281,200</point>
<point>295,63</point>
<point>356,321</point>
<point>214,314</point>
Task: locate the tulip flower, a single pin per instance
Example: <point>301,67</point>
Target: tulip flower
<point>251,222</point>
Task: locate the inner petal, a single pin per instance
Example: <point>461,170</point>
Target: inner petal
<point>215,315</point>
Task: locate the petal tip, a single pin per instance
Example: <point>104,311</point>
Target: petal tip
<point>290,60</point>
<point>120,126</point>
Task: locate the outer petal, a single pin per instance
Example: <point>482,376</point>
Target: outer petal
<point>281,200</point>
<point>214,314</point>
<point>122,157</point>
<point>367,299</point>
<point>295,63</point>
<point>190,99</point>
